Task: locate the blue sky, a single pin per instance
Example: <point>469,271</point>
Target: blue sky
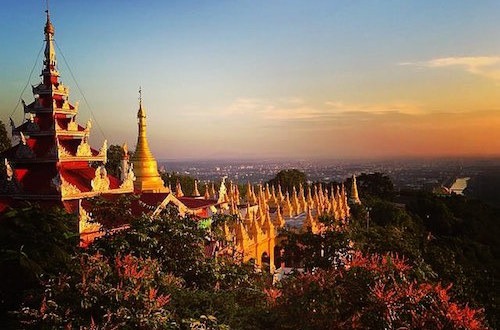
<point>308,79</point>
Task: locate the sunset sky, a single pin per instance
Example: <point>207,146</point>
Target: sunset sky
<point>275,79</point>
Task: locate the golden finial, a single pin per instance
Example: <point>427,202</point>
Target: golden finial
<point>49,28</point>
<point>140,95</point>
<point>141,113</point>
<point>247,214</point>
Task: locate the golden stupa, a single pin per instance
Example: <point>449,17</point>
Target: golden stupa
<point>144,163</point>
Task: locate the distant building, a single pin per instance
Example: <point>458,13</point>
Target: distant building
<point>452,186</point>
<point>459,185</point>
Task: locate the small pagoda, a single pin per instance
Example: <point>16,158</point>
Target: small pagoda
<point>53,161</point>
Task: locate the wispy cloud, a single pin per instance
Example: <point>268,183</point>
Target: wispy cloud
<point>486,66</point>
<point>296,109</point>
<point>405,108</point>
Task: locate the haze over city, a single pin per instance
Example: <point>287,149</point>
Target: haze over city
<point>280,79</point>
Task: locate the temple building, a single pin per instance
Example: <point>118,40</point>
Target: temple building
<point>53,164</point>
<point>50,163</point>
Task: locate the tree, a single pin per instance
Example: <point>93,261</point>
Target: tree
<point>374,185</point>
<point>115,155</point>
<point>369,292</point>
<point>289,179</point>
<point>112,212</point>
<point>5,142</point>
<point>155,274</point>
<point>33,243</point>
<point>311,251</point>
<point>186,181</point>
<point>451,238</point>
<point>124,292</point>
<point>175,242</point>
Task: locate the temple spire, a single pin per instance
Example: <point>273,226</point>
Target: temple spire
<point>140,97</point>
<point>49,63</point>
<point>142,142</point>
<point>145,167</point>
<point>49,28</point>
<point>196,192</point>
<point>354,191</point>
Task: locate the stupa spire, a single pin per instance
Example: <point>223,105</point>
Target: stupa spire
<point>142,140</point>
<point>207,192</point>
<point>196,192</point>
<point>178,190</point>
<point>145,166</point>
<point>354,191</point>
<point>49,63</point>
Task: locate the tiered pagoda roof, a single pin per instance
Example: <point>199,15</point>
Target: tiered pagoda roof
<point>53,158</point>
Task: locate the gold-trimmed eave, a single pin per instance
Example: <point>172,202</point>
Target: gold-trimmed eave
<point>70,133</point>
<point>69,191</point>
<point>183,209</point>
<point>82,158</point>
<point>62,159</point>
<point>170,198</point>
<point>36,110</point>
<point>95,193</point>
<point>61,133</point>
<point>42,89</point>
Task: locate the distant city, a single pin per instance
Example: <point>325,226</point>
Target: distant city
<point>405,174</point>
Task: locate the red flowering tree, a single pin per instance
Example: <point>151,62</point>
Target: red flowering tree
<point>124,292</point>
<point>153,275</point>
<point>370,291</point>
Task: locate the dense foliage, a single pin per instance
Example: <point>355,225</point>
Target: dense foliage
<point>450,238</point>
<point>430,264</point>
<point>5,142</point>
<point>373,185</point>
<point>155,274</point>
<point>186,181</point>
<point>484,187</point>
<point>33,243</point>
<point>288,179</point>
<point>115,155</point>
<point>369,292</point>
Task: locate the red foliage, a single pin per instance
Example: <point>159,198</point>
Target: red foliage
<point>272,294</point>
<point>334,297</point>
<point>379,263</point>
<point>110,294</point>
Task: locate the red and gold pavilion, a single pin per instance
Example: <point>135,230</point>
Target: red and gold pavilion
<point>51,164</point>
